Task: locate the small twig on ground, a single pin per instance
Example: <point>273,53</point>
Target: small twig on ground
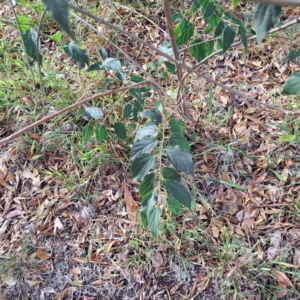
<point>22,42</point>
<point>66,109</point>
<point>170,58</point>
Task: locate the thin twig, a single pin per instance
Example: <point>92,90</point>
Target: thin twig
<point>23,43</point>
<point>66,109</point>
<point>170,58</point>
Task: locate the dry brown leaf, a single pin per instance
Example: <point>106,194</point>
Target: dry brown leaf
<point>42,254</point>
<point>282,278</point>
<point>131,206</point>
<point>157,260</point>
<point>282,290</point>
<point>58,225</point>
<point>76,283</point>
<point>226,177</point>
<point>81,260</point>
<point>76,271</point>
<point>33,176</point>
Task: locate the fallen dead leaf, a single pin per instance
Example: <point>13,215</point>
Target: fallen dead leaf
<point>157,260</point>
<point>281,277</point>
<point>131,206</point>
<point>42,254</point>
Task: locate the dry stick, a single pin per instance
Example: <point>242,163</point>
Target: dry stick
<point>150,78</point>
<point>100,20</point>
<point>47,118</point>
<point>181,92</point>
<point>23,43</point>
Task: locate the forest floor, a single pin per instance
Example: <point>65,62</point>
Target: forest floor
<point>64,226</point>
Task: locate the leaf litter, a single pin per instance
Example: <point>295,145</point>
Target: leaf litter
<point>81,239</point>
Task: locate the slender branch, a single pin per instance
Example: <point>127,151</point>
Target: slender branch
<point>23,43</point>
<point>66,109</point>
<point>170,58</point>
<point>280,2</point>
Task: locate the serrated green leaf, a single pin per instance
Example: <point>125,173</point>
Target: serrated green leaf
<point>136,78</point>
<point>176,126</point>
<point>170,67</point>
<point>196,5</point>
<point>159,106</point>
<point>105,84</point>
<point>178,139</point>
<point>101,133</point>
<point>120,131</point>
<point>154,116</point>
<point>169,173</point>
<point>56,36</point>
<point>265,17</point>
<point>78,54</point>
<point>121,76</point>
<point>208,9</point>
<point>95,67</point>
<point>141,166</point>
<point>219,44</point>
<point>183,31</point>
<point>146,130</point>
<point>147,203</point>
<point>166,47</point>
<point>103,53</point>
<point>127,112</point>
<point>181,159</point>
<point>95,112</point>
<point>173,205</point>
<point>209,47</point>
<point>198,51</point>
<point>153,219</point>
<point>292,85</point>
<point>208,29</point>
<point>293,54</point>
<point>287,138</point>
<point>244,39</point>
<point>145,89</point>
<point>234,19</point>
<point>59,11</point>
<point>219,29</point>
<point>178,191</point>
<point>228,38</point>
<point>112,64</point>
<point>176,17</point>
<point>147,184</point>
<point>136,93</point>
<point>30,38</point>
<point>144,145</point>
<point>87,131</point>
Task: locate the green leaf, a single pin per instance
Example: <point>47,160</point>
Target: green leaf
<point>25,23</point>
<point>208,9</point>
<point>87,131</point>
<point>242,33</point>
<point>196,5</point>
<point>144,145</point>
<point>181,159</point>
<point>105,84</point>
<point>30,38</point>
<point>169,173</point>
<point>78,54</point>
<point>103,53</point>
<point>136,78</point>
<point>136,93</point>
<point>148,129</point>
<point>59,11</point>
<point>183,31</point>
<point>141,166</point>
<point>292,85</point>
<point>147,203</point>
<point>153,219</point>
<point>173,205</point>
<point>232,18</point>
<point>95,67</point>
<point>112,64</point>
<point>178,139</point>
<point>127,112</point>
<point>287,138</point>
<point>177,17</point>
<point>56,36</point>
<point>101,133</point>
<point>293,54</point>
<point>170,67</point>
<point>120,131</point>
<point>228,38</point>
<point>147,184</point>
<point>176,126</point>
<point>178,191</point>
<point>198,51</point>
<point>219,44</point>
<point>265,16</point>
<point>208,29</point>
<point>154,116</point>
<point>209,47</point>
<point>220,28</point>
<point>235,3</point>
<point>159,106</point>
<point>166,47</point>
<point>95,112</point>
<point>214,20</point>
